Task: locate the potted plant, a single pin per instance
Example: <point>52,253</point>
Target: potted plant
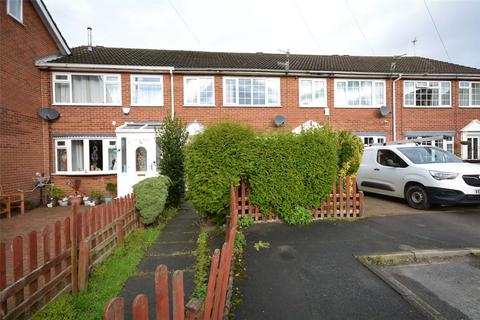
<point>63,202</point>
<point>54,194</point>
<point>96,196</point>
<point>76,197</point>
<point>111,190</point>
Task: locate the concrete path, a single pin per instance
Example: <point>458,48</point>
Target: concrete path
<point>175,248</point>
<point>309,272</point>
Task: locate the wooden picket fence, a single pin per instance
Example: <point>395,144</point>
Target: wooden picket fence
<point>86,237</point>
<point>214,306</point>
<point>344,202</point>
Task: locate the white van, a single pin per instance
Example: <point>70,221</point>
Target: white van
<point>422,175</point>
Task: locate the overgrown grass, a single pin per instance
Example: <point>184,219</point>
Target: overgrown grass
<point>202,255</point>
<point>105,282</point>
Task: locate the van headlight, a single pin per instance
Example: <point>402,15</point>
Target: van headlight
<point>440,175</point>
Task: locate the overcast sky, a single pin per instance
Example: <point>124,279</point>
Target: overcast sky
<point>369,27</point>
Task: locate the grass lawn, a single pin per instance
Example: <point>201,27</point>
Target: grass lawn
<point>105,282</point>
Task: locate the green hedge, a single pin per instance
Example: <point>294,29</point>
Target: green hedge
<point>350,153</point>
<point>286,171</point>
<point>213,160</point>
<point>151,195</point>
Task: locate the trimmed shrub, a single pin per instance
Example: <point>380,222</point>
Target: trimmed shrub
<point>215,159</point>
<point>350,153</point>
<point>151,195</point>
<point>171,139</point>
<point>287,172</point>
<point>293,170</point>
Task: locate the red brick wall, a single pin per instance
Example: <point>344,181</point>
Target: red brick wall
<point>98,119</point>
<point>22,138</point>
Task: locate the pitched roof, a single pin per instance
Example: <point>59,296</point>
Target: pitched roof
<point>51,26</point>
<point>188,60</point>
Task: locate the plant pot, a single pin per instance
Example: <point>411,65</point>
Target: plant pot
<point>63,203</point>
<point>50,205</point>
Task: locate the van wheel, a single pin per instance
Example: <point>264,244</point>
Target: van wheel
<point>417,197</point>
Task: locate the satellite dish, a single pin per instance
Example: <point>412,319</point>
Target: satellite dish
<point>48,114</point>
<point>384,111</point>
<point>279,121</point>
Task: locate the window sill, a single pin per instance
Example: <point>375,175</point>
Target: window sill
<point>86,105</point>
<point>469,107</point>
<point>147,105</point>
<point>427,107</point>
<point>357,107</point>
<point>84,174</point>
<point>250,106</point>
<point>199,105</point>
<point>313,107</point>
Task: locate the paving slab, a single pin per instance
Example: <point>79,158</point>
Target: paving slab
<point>174,248</point>
<point>450,286</point>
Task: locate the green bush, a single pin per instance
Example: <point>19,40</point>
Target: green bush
<point>215,159</point>
<point>293,170</point>
<point>286,171</point>
<point>151,195</point>
<point>298,215</point>
<point>202,268</point>
<point>171,139</point>
<point>55,192</point>
<point>350,153</point>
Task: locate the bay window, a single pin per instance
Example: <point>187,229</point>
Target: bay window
<point>469,94</point>
<point>198,91</point>
<point>426,94</point>
<point>251,92</point>
<point>147,90</point>
<point>85,155</point>
<point>313,92</point>
<point>86,89</point>
<point>370,140</point>
<point>359,93</point>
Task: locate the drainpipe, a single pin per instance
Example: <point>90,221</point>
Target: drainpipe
<point>394,113</point>
<point>172,110</point>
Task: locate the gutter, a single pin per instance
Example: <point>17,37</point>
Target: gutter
<point>324,73</point>
<point>395,108</point>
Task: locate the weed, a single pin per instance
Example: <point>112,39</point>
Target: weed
<point>261,245</point>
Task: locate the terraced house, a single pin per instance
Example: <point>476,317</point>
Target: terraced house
<point>110,101</point>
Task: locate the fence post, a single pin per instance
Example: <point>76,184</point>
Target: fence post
<point>120,232</point>
<point>162,308</point>
<point>83,261</point>
<point>361,205</point>
<point>73,248</point>
<point>114,309</point>
<point>140,307</point>
<point>178,296</point>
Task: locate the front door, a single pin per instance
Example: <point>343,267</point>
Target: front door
<point>138,159</point>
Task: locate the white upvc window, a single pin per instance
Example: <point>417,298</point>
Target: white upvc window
<point>86,89</point>
<point>312,92</point>
<point>370,140</point>
<point>469,94</point>
<point>359,93</point>
<point>146,90</point>
<point>198,91</point>
<point>15,9</point>
<point>427,94</point>
<point>446,143</point>
<point>243,91</point>
<point>85,156</point>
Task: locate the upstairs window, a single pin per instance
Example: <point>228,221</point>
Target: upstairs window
<point>313,92</point>
<point>86,89</point>
<point>426,93</point>
<point>469,94</point>
<point>251,92</point>
<point>15,9</point>
<point>147,90</point>
<point>359,93</point>
<point>198,91</point>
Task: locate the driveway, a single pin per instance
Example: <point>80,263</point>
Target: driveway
<point>378,205</point>
<point>309,272</point>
